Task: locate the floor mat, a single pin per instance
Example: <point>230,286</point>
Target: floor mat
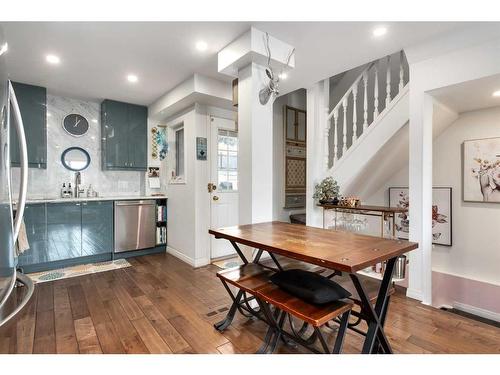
<point>228,263</point>
<point>79,270</point>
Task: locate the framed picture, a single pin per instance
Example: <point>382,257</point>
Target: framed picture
<point>441,213</point>
<point>481,174</point>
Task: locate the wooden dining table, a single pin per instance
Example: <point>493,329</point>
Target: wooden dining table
<point>335,250</point>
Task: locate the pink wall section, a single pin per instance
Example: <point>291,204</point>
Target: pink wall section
<point>447,289</point>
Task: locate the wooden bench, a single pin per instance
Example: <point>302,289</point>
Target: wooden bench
<point>255,280</point>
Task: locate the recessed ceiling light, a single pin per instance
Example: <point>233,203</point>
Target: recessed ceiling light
<point>283,76</point>
<point>53,59</point>
<point>201,46</point>
<point>49,114</point>
<point>379,31</point>
<point>496,93</point>
<point>94,120</point>
<point>132,78</point>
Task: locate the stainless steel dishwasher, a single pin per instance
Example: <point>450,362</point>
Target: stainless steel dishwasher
<point>135,225</point>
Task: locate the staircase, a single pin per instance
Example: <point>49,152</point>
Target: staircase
<point>370,113</point>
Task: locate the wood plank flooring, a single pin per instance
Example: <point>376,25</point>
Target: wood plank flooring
<point>162,305</point>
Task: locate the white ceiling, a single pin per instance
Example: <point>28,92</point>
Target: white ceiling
<point>97,56</point>
<point>470,95</point>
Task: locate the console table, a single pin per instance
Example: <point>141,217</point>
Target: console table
<point>385,214</point>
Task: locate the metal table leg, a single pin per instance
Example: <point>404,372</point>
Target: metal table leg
<point>375,317</point>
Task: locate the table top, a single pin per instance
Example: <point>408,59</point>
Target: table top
<point>364,208</point>
<point>337,250</point>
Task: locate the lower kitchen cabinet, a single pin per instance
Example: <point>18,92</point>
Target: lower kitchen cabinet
<point>64,231</point>
<point>60,232</point>
<point>35,219</point>
<point>97,227</point>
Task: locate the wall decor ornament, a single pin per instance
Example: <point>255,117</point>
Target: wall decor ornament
<point>441,213</point>
<point>481,170</point>
<point>159,144</point>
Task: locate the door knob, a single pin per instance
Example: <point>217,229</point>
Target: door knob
<point>215,198</point>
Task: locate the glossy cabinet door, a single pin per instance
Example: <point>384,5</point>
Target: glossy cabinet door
<point>64,231</point>
<point>115,135</point>
<point>125,133</point>
<point>97,227</point>
<point>36,231</point>
<point>138,137</point>
<point>33,105</point>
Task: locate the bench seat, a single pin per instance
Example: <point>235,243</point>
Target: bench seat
<point>254,279</point>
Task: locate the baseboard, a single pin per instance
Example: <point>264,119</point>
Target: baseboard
<point>415,294</point>
<point>181,256</point>
<point>201,262</point>
<point>477,311</point>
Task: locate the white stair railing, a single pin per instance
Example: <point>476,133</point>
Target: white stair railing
<point>350,125</point>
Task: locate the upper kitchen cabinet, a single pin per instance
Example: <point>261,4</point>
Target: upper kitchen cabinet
<point>124,129</point>
<point>33,105</point>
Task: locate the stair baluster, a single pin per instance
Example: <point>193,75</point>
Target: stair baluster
<point>335,136</point>
<point>388,82</point>
<point>375,94</point>
<point>327,141</point>
<point>365,98</point>
<point>401,71</point>
<point>344,138</point>
<point>354,114</point>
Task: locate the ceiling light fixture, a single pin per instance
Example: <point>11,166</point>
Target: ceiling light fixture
<point>283,76</point>
<point>379,31</point>
<point>496,93</point>
<point>132,78</point>
<point>201,46</point>
<point>53,59</point>
<point>94,120</point>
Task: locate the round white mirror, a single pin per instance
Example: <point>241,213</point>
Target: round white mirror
<point>75,159</point>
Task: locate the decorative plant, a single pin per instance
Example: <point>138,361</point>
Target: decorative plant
<point>326,190</point>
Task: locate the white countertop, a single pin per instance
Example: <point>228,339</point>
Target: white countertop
<point>85,199</point>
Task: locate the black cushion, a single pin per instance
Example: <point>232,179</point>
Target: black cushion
<point>309,286</point>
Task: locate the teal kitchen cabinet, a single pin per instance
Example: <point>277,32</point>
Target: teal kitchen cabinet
<point>97,227</point>
<point>33,105</point>
<point>35,220</point>
<point>138,132</point>
<point>64,231</point>
<point>124,132</point>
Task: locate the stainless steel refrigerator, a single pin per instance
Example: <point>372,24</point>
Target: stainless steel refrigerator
<point>10,221</point>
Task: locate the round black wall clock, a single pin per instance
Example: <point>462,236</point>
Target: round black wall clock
<point>75,124</point>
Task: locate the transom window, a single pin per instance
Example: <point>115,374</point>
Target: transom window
<point>227,160</point>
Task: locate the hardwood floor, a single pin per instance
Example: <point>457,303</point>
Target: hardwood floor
<point>162,305</point>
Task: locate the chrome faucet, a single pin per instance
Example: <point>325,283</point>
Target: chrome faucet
<point>79,190</point>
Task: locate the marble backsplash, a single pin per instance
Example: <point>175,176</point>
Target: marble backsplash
<point>47,182</point>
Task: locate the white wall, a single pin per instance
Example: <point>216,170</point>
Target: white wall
<point>298,100</point>
<point>437,70</point>
<point>475,253</point>
<point>188,201</point>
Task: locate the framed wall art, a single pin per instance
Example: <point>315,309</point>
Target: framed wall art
<point>441,213</point>
<point>481,170</point>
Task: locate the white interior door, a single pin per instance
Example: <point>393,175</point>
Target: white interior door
<point>224,181</point>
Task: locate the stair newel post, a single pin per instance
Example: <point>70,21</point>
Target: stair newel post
<point>365,99</point>
<point>335,136</point>
<point>354,113</point>
<point>375,93</point>
<point>344,138</point>
<point>401,71</point>
<point>388,82</point>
